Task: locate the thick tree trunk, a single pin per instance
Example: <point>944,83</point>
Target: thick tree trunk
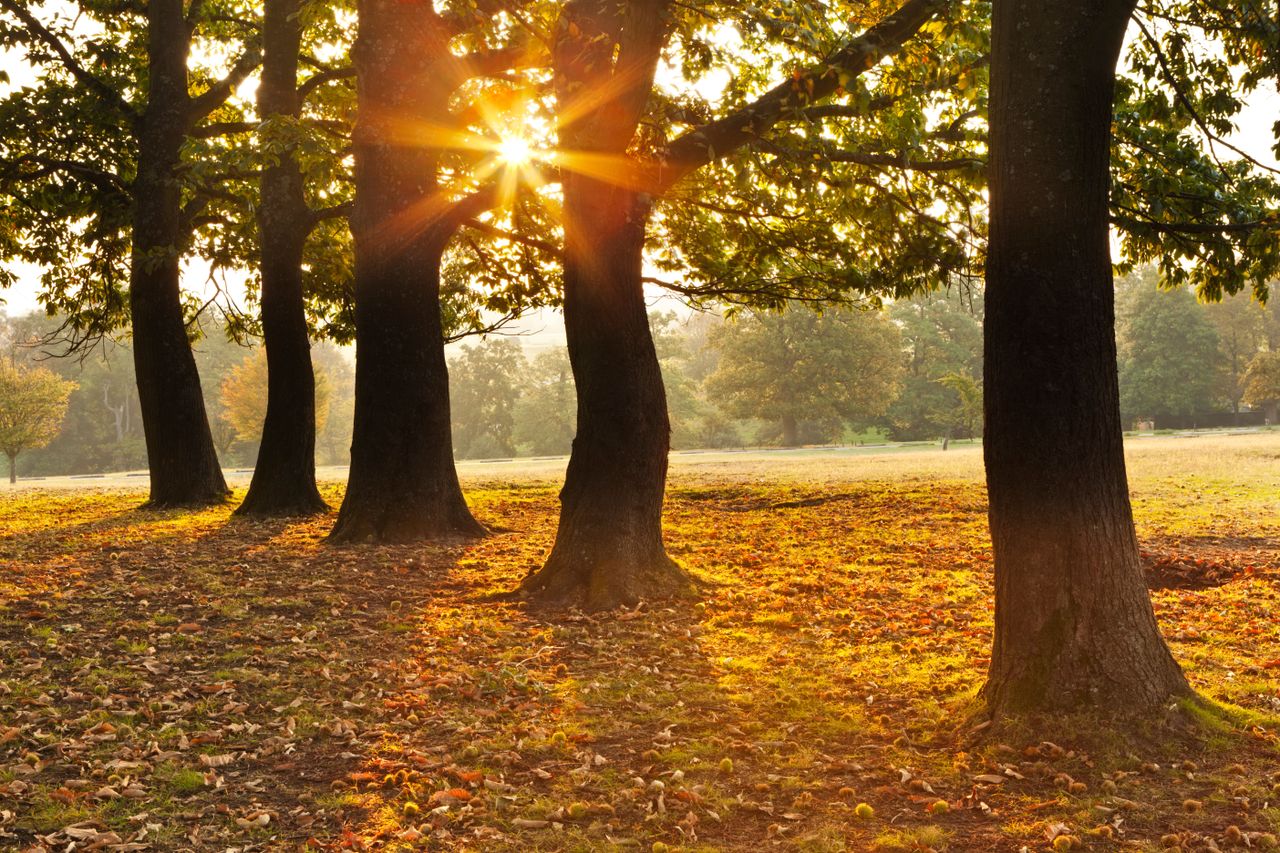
<point>403,485</point>
<point>608,549</point>
<point>13,468</point>
<point>284,479</point>
<point>180,453</point>
<point>1074,624</point>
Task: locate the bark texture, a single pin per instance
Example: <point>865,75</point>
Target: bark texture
<point>403,485</point>
<point>608,549</point>
<point>1074,623</point>
<point>790,431</point>
<point>284,478</point>
<point>180,452</point>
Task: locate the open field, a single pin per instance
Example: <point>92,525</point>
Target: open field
<point>925,459</point>
<point>193,681</point>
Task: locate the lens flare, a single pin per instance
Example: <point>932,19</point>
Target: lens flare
<point>514,151</point>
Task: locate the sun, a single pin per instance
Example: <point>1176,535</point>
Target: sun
<point>514,151</point>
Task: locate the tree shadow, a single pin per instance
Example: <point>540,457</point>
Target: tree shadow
<point>377,695</point>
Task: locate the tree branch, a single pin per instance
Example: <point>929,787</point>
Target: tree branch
<point>700,146</point>
<point>883,102</point>
<point>320,78</point>
<point>217,94</point>
<point>469,207</point>
<point>901,161</point>
<point>335,211</point>
<point>1185,100</point>
<point>1139,220</point>
<point>69,62</point>
<point>223,128</point>
<point>103,180</point>
<point>502,234</point>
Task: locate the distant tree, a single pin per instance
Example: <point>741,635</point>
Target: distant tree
<point>217,354</point>
<point>546,412</point>
<point>1241,324</point>
<point>102,430</point>
<point>244,398</point>
<point>333,439</point>
<point>681,345</point>
<point>1262,384</point>
<point>966,417</point>
<point>1167,350</point>
<point>942,336</point>
<point>801,366</point>
<point>33,402</point>
<point>484,385</point>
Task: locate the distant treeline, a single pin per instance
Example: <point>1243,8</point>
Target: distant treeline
<point>912,373</point>
<point>1186,364</point>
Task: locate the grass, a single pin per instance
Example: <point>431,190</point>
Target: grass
<point>244,683</point>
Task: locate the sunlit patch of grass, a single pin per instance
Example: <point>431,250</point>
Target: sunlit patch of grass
<point>182,782</point>
<point>917,838</point>
<point>47,814</point>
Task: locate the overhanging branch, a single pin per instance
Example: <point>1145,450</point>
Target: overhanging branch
<point>42,33</point>
<point>713,141</point>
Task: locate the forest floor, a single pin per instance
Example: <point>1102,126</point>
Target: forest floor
<point>176,681</point>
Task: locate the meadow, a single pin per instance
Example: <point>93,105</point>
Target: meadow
<point>175,681</point>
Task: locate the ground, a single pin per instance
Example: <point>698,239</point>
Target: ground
<point>175,681</point>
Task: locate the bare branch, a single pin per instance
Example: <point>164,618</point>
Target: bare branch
<point>502,234</point>
<point>223,128</point>
<point>217,94</point>
<point>320,78</point>
<point>336,211</point>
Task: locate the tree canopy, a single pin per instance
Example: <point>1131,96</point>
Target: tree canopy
<point>1167,351</point>
<point>802,367</point>
<point>33,402</point>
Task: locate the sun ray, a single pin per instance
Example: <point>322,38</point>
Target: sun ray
<point>515,151</point>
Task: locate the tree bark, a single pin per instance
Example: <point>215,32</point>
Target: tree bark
<point>284,478</point>
<point>13,468</point>
<point>608,549</point>
<point>1074,624</point>
<point>403,485</point>
<point>790,432</point>
<point>180,453</point>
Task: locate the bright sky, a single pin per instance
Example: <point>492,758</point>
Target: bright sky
<point>1254,135</point>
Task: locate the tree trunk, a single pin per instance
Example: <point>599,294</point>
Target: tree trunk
<point>13,468</point>
<point>608,549</point>
<point>180,453</point>
<point>284,478</point>
<point>790,432</point>
<point>1074,624</point>
<point>403,485</point>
